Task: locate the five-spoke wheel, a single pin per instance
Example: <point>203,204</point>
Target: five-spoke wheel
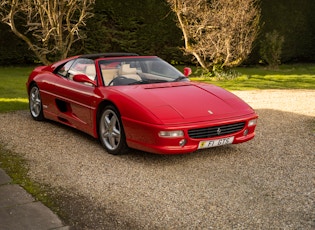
<point>35,104</point>
<point>111,131</point>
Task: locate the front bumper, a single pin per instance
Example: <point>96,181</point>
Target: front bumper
<point>145,136</point>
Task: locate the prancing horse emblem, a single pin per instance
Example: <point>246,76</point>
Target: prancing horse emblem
<point>218,131</point>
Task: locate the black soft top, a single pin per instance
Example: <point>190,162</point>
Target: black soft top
<point>104,55</point>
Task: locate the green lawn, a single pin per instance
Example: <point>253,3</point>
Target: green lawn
<point>286,77</point>
<point>13,94</point>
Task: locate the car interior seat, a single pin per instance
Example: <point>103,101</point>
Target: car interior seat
<point>90,72</point>
<point>126,71</point>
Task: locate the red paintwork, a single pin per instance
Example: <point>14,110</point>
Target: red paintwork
<point>145,109</point>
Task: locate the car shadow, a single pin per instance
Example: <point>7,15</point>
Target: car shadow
<point>274,128</point>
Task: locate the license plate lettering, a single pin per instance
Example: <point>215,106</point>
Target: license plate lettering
<point>223,141</point>
<point>210,144</point>
<point>214,143</point>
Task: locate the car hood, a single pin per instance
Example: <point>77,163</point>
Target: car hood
<point>188,102</point>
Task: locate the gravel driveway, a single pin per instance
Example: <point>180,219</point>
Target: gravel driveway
<point>267,183</point>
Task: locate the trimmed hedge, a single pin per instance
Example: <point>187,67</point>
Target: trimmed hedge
<point>148,27</point>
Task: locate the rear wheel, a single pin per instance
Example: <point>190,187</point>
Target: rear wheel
<point>111,131</point>
<point>35,104</point>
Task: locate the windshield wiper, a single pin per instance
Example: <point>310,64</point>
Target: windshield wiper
<point>138,82</point>
<point>181,78</point>
<point>147,81</point>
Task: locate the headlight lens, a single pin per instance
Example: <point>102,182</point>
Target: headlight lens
<point>171,134</point>
<point>252,122</point>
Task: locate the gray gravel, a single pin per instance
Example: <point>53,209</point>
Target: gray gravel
<point>267,183</point>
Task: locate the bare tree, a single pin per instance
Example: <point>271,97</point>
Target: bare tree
<point>50,26</point>
<point>218,33</point>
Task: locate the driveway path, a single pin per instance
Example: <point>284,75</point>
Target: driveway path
<point>266,183</point>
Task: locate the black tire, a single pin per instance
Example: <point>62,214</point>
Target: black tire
<point>35,104</point>
<point>111,131</point>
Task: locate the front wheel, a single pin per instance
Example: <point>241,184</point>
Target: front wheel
<point>35,103</point>
<point>111,131</point>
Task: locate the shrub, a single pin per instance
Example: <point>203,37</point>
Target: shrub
<point>271,48</point>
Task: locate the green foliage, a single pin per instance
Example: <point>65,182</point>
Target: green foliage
<point>295,21</point>
<point>12,49</point>
<point>216,73</point>
<point>271,48</point>
<point>148,27</point>
<point>226,74</point>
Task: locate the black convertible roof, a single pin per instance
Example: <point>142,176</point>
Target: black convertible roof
<point>103,55</point>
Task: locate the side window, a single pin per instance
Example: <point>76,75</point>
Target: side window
<point>83,66</point>
<point>63,70</point>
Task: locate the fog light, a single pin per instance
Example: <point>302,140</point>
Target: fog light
<point>171,134</point>
<point>245,132</point>
<point>182,142</point>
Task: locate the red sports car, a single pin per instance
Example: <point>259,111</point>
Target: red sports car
<point>140,102</point>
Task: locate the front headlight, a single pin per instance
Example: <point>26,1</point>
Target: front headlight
<point>171,134</point>
<point>252,122</point>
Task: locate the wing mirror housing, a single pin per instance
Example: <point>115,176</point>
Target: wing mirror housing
<point>83,79</point>
<point>187,71</point>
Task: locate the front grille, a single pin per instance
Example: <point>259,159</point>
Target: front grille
<point>216,131</point>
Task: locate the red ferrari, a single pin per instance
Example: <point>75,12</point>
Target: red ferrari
<point>140,102</point>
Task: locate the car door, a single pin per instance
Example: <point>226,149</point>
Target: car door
<point>75,101</point>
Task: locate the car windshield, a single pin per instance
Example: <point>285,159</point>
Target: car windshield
<point>138,70</point>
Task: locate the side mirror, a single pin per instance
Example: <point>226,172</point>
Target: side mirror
<point>187,71</point>
<point>84,79</point>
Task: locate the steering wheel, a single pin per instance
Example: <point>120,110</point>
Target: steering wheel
<point>112,82</point>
